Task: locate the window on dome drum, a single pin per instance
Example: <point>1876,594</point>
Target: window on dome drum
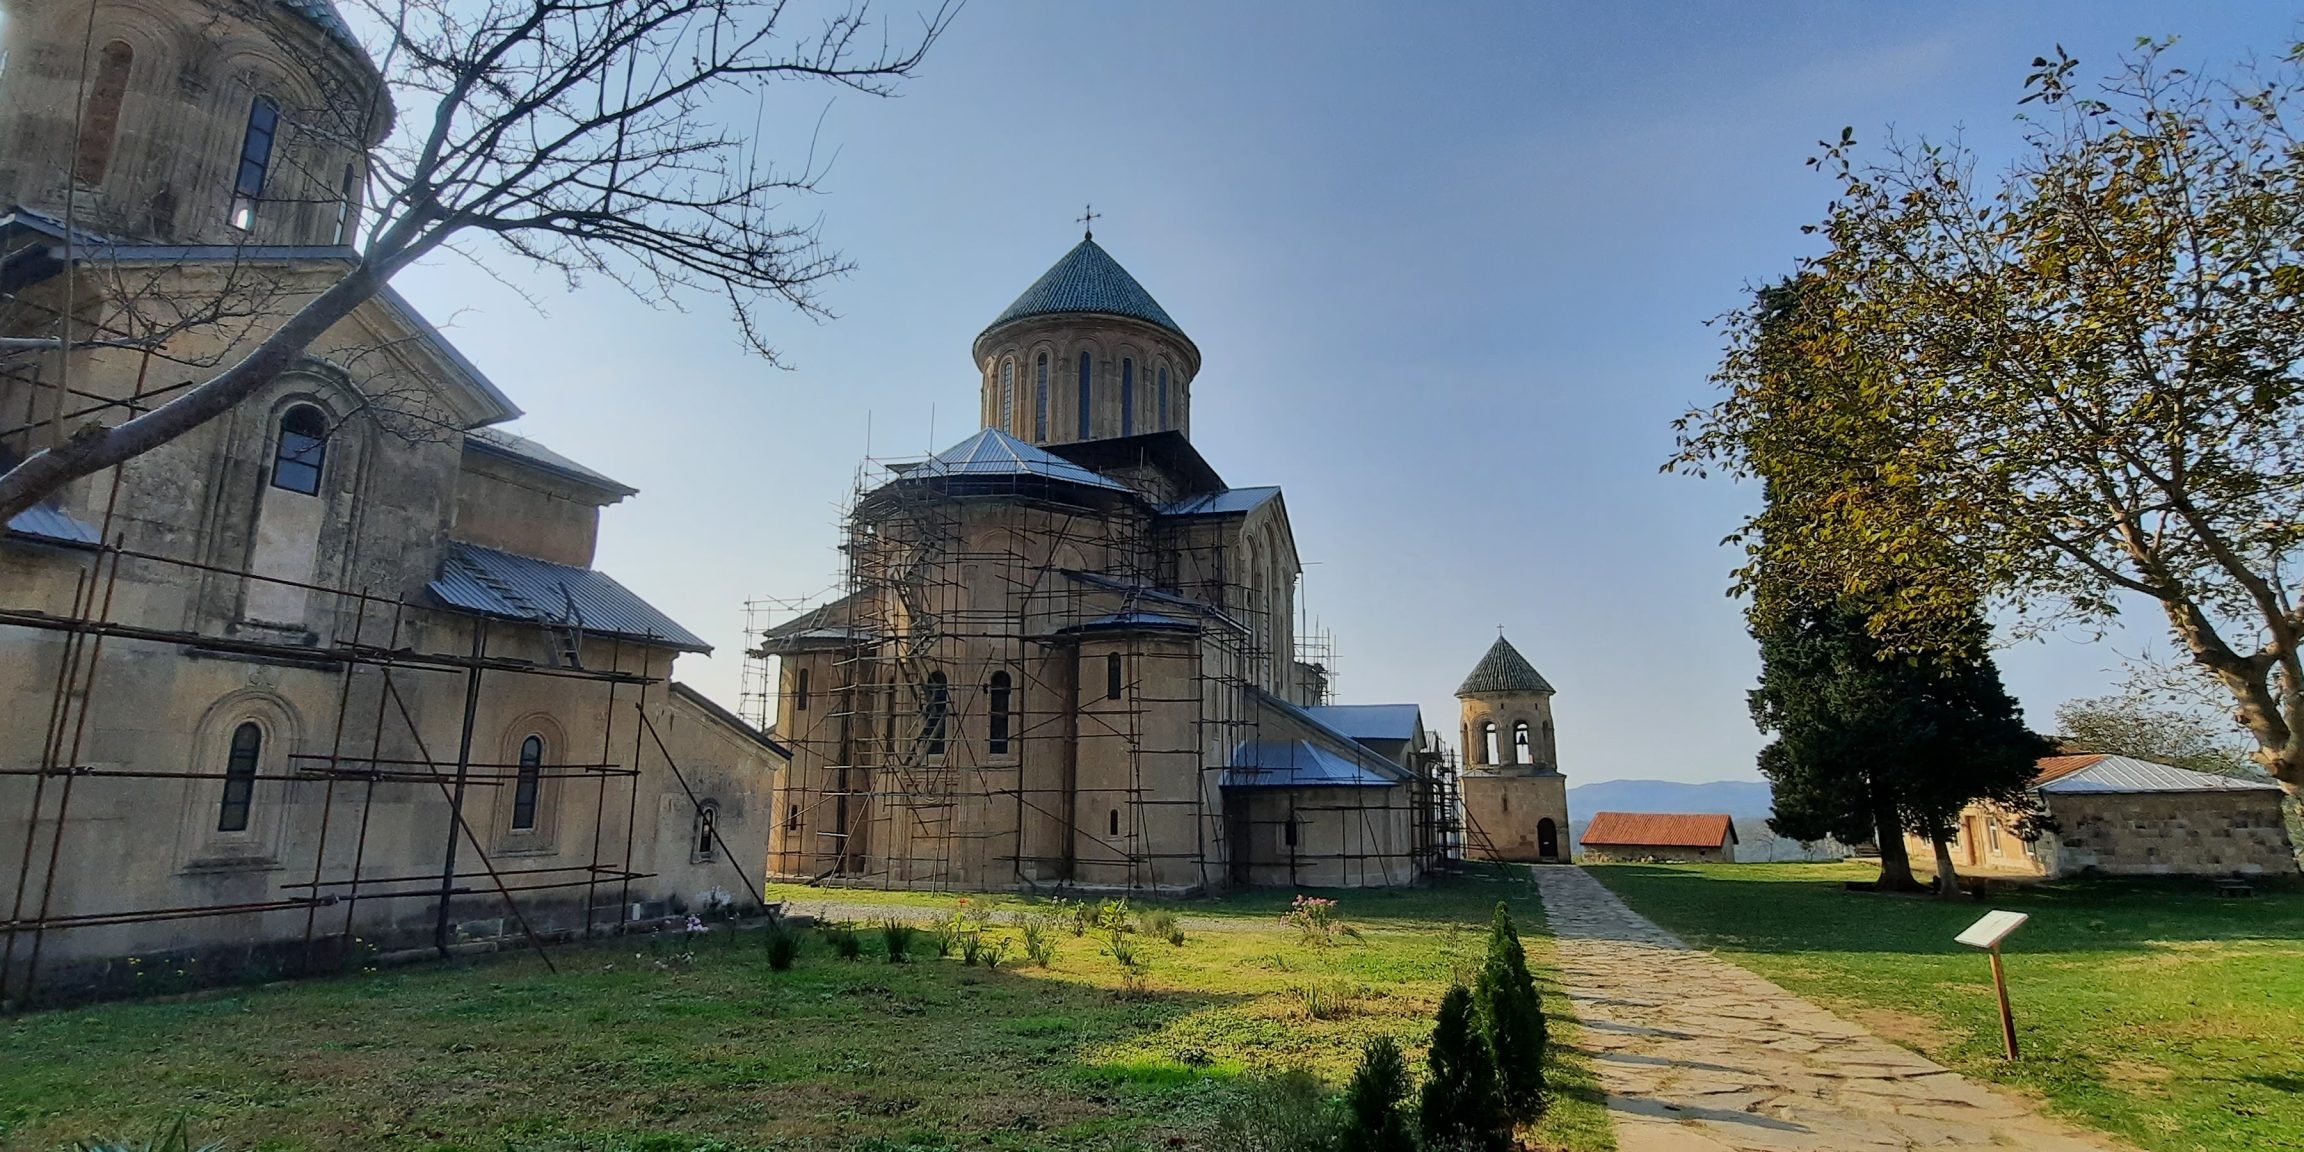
<point>1112,676</point>
<point>347,197</point>
<point>1521,753</point>
<point>101,124</point>
<point>1087,366</point>
<point>240,778</point>
<point>527,783</point>
<point>1163,398</point>
<point>997,698</point>
<point>1488,743</point>
<point>800,690</point>
<point>301,448</point>
<point>707,836</point>
<point>935,714</point>
<point>255,162</point>
<point>1040,402</point>
<point>1008,396</point>
<point>1127,397</point>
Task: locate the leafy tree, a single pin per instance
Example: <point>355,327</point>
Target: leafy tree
<point>1511,1015</point>
<point>2064,382</point>
<point>2130,725</point>
<point>1375,1103</point>
<point>1462,1105</point>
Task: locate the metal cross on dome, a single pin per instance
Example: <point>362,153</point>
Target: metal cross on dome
<point>1087,221</point>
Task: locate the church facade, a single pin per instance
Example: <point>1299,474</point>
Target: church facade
<point>1065,657</point>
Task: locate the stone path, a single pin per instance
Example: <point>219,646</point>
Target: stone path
<point>1698,1055</point>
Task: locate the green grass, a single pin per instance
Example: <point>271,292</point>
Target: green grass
<point>633,1047</point>
<point>2151,1009</point>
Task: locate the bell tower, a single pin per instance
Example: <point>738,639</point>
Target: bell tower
<point>1515,799</point>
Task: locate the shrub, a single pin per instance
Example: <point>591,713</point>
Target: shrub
<point>1314,919</point>
<point>1161,923</point>
<point>1462,1106</point>
<point>1135,967</point>
<point>897,936</point>
<point>1112,916</point>
<point>846,944</point>
<point>1330,1001</point>
<point>1077,914</point>
<point>1511,1016</point>
<point>782,945</point>
<point>1290,1112</point>
<point>1376,1102</point>
<point>1039,931</point>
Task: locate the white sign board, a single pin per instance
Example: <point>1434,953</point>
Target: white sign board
<point>1992,929</point>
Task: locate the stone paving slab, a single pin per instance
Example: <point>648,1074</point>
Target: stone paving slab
<point>1698,1055</point>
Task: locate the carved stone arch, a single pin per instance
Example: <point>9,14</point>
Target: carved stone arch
<point>543,837</point>
<point>201,845</point>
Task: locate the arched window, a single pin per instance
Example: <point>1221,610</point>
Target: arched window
<point>1127,396</point>
<point>1040,401</point>
<point>792,819</point>
<point>1087,393</point>
<point>707,831</point>
<point>1112,676</point>
<point>347,204</point>
<point>240,778</point>
<point>1288,831</point>
<point>301,448</point>
<point>1114,822</point>
<point>1521,753</point>
<point>936,714</point>
<point>1008,396</point>
<point>1488,743</point>
<point>1163,398</point>
<point>800,690</point>
<point>101,125</point>
<point>526,783</point>
<point>997,694</point>
<point>255,162</point>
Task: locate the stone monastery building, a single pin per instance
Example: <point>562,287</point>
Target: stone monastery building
<point>334,673</point>
<point>1065,654</point>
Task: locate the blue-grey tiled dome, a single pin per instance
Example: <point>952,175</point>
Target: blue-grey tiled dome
<point>1087,280</point>
<point>1503,669</point>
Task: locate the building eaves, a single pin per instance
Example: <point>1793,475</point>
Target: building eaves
<point>489,582</point>
<point>499,443</point>
<point>737,723</point>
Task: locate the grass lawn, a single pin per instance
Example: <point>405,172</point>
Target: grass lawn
<point>2150,1009</point>
<point>672,1048</point>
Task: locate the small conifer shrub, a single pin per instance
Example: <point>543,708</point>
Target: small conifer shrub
<point>1376,1102</point>
<point>1511,1015</point>
<point>1462,1105</point>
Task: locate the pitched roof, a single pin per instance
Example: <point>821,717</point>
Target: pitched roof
<point>1371,721</point>
<point>1503,669</point>
<point>2071,775</point>
<point>1659,829</point>
<point>501,584</point>
<point>1087,280</point>
<point>1222,502</point>
<point>51,524</point>
<point>992,453</point>
<point>323,15</point>
<point>498,442</point>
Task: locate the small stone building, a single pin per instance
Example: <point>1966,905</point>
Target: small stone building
<point>2120,815</point>
<point>1515,799</point>
<point>1674,838</point>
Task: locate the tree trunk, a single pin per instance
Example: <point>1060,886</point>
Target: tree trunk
<point>1888,833</point>
<point>1947,880</point>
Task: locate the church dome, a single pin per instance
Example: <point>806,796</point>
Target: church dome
<point>324,16</point>
<point>1503,669</point>
<point>1086,282</point>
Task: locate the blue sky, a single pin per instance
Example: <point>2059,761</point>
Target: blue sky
<point>1450,269</point>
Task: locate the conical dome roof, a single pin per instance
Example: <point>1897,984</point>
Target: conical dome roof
<point>1503,669</point>
<point>1087,280</point>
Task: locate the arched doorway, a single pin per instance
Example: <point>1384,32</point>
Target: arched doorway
<point>1547,839</point>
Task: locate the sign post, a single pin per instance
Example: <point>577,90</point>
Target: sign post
<point>1987,933</point>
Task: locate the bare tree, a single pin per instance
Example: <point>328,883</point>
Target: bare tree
<point>580,136</point>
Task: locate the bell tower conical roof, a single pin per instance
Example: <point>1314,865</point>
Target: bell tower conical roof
<point>1503,669</point>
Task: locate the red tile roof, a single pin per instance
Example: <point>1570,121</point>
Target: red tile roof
<point>1705,830</point>
<point>2058,767</point>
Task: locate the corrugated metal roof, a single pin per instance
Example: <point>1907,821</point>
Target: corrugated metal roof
<point>1503,669</point>
<point>1296,764</point>
<point>1087,279</point>
<point>1659,829</point>
<point>498,442</point>
<point>52,524</point>
<point>1371,721</point>
<point>493,583</point>
<point>992,452</point>
<point>1221,503</point>
<point>2127,774</point>
<point>1124,621</point>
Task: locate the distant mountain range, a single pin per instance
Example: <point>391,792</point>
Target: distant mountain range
<point>1747,801</point>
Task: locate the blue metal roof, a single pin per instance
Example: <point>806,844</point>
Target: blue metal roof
<point>52,524</point>
<point>1371,721</point>
<point>498,442</point>
<point>992,452</point>
<point>1295,764</point>
<point>1137,621</point>
<point>493,583</point>
<point>1221,503</point>
<point>1087,280</point>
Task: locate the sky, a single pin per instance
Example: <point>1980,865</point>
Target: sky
<point>1449,268</point>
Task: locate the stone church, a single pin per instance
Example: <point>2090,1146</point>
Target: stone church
<point>1065,655</point>
<point>311,682</point>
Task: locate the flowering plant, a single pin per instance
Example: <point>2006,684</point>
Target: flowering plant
<point>1314,917</point>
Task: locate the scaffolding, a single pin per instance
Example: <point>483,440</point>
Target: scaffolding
<point>1031,684</point>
